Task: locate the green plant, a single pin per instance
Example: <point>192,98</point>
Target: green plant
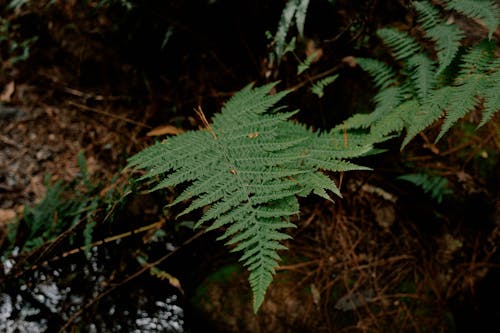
<point>426,89</point>
<point>435,186</point>
<point>319,86</point>
<point>15,51</point>
<point>249,166</point>
<point>66,205</point>
<point>295,10</point>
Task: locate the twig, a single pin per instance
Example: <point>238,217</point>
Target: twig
<point>125,119</point>
<point>102,242</point>
<point>314,78</point>
<point>205,122</point>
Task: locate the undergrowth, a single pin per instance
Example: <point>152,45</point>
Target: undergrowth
<point>72,209</point>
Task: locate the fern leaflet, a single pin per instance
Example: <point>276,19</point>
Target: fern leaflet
<point>435,186</point>
<point>319,86</point>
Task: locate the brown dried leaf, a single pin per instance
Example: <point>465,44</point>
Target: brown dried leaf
<point>312,48</point>
<point>164,130</point>
<point>7,215</point>
<point>7,92</point>
<point>350,61</point>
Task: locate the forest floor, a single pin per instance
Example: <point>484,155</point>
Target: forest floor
<point>385,257</point>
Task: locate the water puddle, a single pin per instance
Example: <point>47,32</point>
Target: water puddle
<point>46,299</point>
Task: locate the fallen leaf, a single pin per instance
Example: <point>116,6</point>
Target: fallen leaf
<point>164,130</point>
<point>7,92</point>
<point>350,61</point>
<point>316,296</point>
<point>353,300</point>
<point>311,49</point>
<point>7,215</point>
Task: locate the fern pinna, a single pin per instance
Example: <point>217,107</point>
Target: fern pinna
<point>426,89</point>
<point>249,166</point>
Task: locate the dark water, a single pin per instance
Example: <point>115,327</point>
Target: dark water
<point>48,297</point>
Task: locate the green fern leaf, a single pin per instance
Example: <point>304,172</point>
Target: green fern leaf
<point>428,15</point>
<point>386,101</point>
<point>446,36</point>
<point>293,9</point>
<point>383,76</point>
<point>492,97</point>
<point>422,74</point>
<point>427,113</point>
<point>389,96</point>
<point>303,66</point>
<point>300,15</point>
<point>463,99</point>
<point>402,44</point>
<point>249,166</point>
<point>396,120</point>
<point>435,186</point>
<point>426,91</point>
<point>474,81</point>
<point>478,60</point>
<point>481,9</point>
<point>319,86</point>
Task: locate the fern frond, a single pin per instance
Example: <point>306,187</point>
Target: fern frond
<point>435,186</point>
<point>475,80</point>
<point>491,97</point>
<point>388,97</point>
<point>386,100</point>
<point>427,91</point>
<point>402,44</point>
<point>478,60</point>
<point>300,15</point>
<point>249,166</point>
<point>319,86</point>
<point>422,74</point>
<point>396,120</point>
<point>463,99</point>
<point>428,112</point>
<point>446,36</point>
<point>304,65</point>
<point>293,9</point>
<point>428,15</point>
<point>482,9</point>
<point>383,75</point>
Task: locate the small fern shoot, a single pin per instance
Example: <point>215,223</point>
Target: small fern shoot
<point>294,9</point>
<point>248,166</point>
<point>319,86</point>
<point>435,186</point>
